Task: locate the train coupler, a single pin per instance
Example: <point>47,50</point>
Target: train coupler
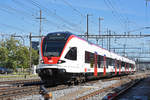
<point>47,95</point>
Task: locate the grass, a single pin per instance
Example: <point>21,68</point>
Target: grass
<point>17,76</point>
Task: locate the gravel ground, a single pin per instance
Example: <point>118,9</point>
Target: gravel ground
<point>33,97</point>
<point>17,77</point>
<point>76,92</point>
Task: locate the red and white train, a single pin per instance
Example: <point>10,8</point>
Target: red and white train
<point>67,57</point>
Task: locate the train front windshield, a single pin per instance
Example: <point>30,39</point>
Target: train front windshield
<point>53,48</point>
<point>53,44</point>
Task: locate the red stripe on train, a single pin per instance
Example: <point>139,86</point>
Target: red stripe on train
<point>119,68</point>
<point>66,44</point>
<point>115,67</point>
<point>95,67</point>
<point>104,66</point>
<point>125,67</point>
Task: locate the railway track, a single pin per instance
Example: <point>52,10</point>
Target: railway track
<point>10,92</point>
<point>19,92</point>
<point>114,90</point>
<point>19,81</point>
<point>87,92</point>
<point>97,92</point>
<point>16,89</point>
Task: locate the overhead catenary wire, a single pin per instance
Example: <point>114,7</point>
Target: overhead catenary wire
<point>51,22</point>
<point>54,15</point>
<point>29,14</point>
<point>131,22</point>
<point>21,4</point>
<point>11,10</point>
<point>50,12</point>
<point>117,15</point>
<point>118,11</point>
<point>67,3</point>
<point>114,13</point>
<point>77,11</point>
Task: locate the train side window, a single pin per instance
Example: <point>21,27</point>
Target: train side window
<point>99,61</point>
<point>118,63</point>
<point>110,62</point>
<point>72,54</point>
<point>92,60</point>
<point>102,61</point>
<point>129,65</point>
<point>133,66</point>
<point>122,64</point>
<point>87,57</point>
<point>113,63</point>
<point>107,62</point>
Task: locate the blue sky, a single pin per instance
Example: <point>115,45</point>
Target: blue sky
<point>19,16</point>
<point>119,15</point>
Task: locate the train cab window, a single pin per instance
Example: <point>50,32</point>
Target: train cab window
<point>72,54</point>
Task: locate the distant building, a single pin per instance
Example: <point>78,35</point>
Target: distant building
<point>35,45</point>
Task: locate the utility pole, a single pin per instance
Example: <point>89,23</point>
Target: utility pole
<point>40,18</point>
<point>109,40</point>
<point>100,28</point>
<point>40,34</point>
<point>30,37</point>
<point>124,49</point>
<point>87,27</point>
<point>147,2</point>
<point>87,33</point>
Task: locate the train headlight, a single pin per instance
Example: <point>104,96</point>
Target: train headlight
<point>61,61</point>
<point>41,61</point>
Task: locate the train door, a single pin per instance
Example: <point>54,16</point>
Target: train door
<point>115,67</point>
<point>95,64</point>
<point>120,67</point>
<point>125,68</point>
<point>128,68</point>
<point>104,73</point>
<point>132,68</point>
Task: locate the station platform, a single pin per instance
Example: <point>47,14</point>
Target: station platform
<point>140,91</point>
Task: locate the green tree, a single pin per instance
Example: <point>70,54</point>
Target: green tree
<point>22,57</point>
<point>13,54</point>
<point>8,54</point>
<point>35,57</point>
<point>3,56</point>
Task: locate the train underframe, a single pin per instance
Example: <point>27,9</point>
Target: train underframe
<point>53,77</point>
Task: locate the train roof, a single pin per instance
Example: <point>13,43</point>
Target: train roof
<point>66,35</point>
<point>58,35</point>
